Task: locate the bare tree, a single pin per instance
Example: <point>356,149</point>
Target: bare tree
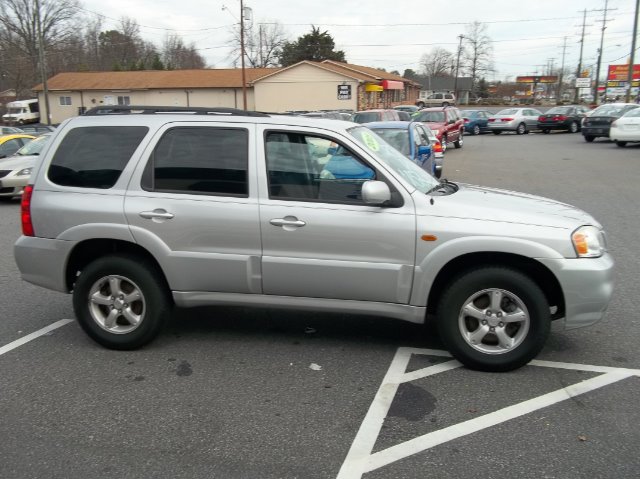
<point>438,62</point>
<point>177,56</point>
<point>477,55</point>
<point>263,44</point>
<point>22,22</point>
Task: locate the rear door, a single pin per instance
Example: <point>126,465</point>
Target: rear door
<point>193,204</point>
<point>319,239</point>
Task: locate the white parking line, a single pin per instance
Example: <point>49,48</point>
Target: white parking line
<point>360,460</point>
<point>30,337</point>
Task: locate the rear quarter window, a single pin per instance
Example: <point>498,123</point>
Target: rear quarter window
<point>94,157</point>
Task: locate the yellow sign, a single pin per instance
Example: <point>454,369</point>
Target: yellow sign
<point>372,87</point>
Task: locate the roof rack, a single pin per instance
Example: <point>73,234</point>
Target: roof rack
<point>184,110</point>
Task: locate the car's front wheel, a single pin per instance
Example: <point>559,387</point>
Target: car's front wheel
<point>493,318</point>
<point>460,141</point>
<point>120,302</point>
<point>621,143</point>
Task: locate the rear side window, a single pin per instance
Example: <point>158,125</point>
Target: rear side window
<point>94,157</point>
<point>200,160</point>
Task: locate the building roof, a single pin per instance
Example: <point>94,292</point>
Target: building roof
<point>368,71</point>
<point>348,73</point>
<point>153,79</point>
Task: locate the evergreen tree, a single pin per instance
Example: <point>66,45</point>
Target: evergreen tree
<point>315,46</point>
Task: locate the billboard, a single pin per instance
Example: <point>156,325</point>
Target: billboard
<point>621,72</point>
<point>537,79</point>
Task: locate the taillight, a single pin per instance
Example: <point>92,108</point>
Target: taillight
<point>437,147</point>
<point>466,120</point>
<point>507,119</point>
<point>560,118</point>
<point>491,119</point>
<point>25,211</point>
<point>541,118</point>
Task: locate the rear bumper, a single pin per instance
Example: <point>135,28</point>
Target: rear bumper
<point>42,261</point>
<point>503,126</point>
<point>587,285</point>
<point>617,134</point>
<point>553,126</point>
<point>596,130</point>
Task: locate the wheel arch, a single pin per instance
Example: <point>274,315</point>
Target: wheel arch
<point>538,272</point>
<point>85,252</point>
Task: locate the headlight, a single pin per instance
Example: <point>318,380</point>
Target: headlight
<point>588,242</point>
<point>24,172</point>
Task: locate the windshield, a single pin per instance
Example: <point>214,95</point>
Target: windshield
<point>366,117</point>
<point>508,111</point>
<point>397,138</point>
<point>632,113</point>
<point>14,111</point>
<point>560,110</point>
<point>609,110</point>
<point>432,116</point>
<point>34,147</point>
<point>407,169</point>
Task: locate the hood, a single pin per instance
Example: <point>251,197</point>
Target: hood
<point>492,204</point>
<point>18,162</point>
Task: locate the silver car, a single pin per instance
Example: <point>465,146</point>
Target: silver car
<point>137,213</point>
<point>15,170</point>
<point>520,120</point>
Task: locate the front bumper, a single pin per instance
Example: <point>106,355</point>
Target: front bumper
<point>587,284</point>
<point>13,185</point>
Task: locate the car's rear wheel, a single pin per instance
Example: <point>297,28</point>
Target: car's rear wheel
<point>574,127</point>
<point>120,302</point>
<point>621,143</point>
<point>493,318</point>
<point>546,131</point>
<point>589,138</point>
<point>521,129</point>
<point>496,132</point>
<point>475,130</point>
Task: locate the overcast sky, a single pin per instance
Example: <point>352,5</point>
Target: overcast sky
<point>395,34</point>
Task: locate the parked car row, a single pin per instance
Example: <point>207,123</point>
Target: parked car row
<point>15,170</point>
<point>600,122</point>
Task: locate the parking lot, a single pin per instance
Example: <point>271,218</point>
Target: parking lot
<point>249,393</point>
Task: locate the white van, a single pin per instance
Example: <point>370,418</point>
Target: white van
<point>427,98</point>
<point>21,112</point>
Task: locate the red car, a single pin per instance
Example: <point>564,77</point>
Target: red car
<point>446,122</point>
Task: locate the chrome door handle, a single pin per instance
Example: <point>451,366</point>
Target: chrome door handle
<point>156,214</point>
<point>287,221</point>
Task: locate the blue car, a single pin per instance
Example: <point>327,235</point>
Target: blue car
<point>475,121</point>
<point>413,139</point>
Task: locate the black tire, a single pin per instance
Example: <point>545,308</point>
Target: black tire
<point>460,141</point>
<point>445,103</point>
<point>589,138</point>
<point>621,144</point>
<point>131,274</point>
<point>546,131</point>
<point>497,132</point>
<point>574,127</point>
<point>528,335</point>
<point>521,129</point>
<point>476,130</point>
<point>420,104</point>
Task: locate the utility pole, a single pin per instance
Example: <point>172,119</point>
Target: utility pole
<point>631,57</point>
<point>244,78</point>
<point>604,27</point>
<point>455,80</point>
<point>561,75</point>
<point>42,61</point>
<point>579,70</point>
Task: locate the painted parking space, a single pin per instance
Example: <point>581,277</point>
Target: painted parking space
<point>363,458</point>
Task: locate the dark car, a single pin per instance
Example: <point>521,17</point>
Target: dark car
<point>562,118</point>
<point>413,140</point>
<point>445,121</point>
<point>475,121</point>
<point>598,123</point>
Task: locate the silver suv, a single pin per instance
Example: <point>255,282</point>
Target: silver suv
<point>137,213</point>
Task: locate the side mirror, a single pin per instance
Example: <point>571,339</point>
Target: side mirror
<point>375,193</point>
<point>424,150</point>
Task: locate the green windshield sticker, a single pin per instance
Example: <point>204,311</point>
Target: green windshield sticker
<point>370,141</point>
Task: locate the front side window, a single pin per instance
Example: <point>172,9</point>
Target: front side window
<point>94,157</point>
<point>200,160</point>
<point>306,167</point>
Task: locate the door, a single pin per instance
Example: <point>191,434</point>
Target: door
<point>194,207</point>
<point>531,118</point>
<point>319,239</point>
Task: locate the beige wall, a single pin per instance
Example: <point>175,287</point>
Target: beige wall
<point>213,97</point>
<point>304,87</point>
